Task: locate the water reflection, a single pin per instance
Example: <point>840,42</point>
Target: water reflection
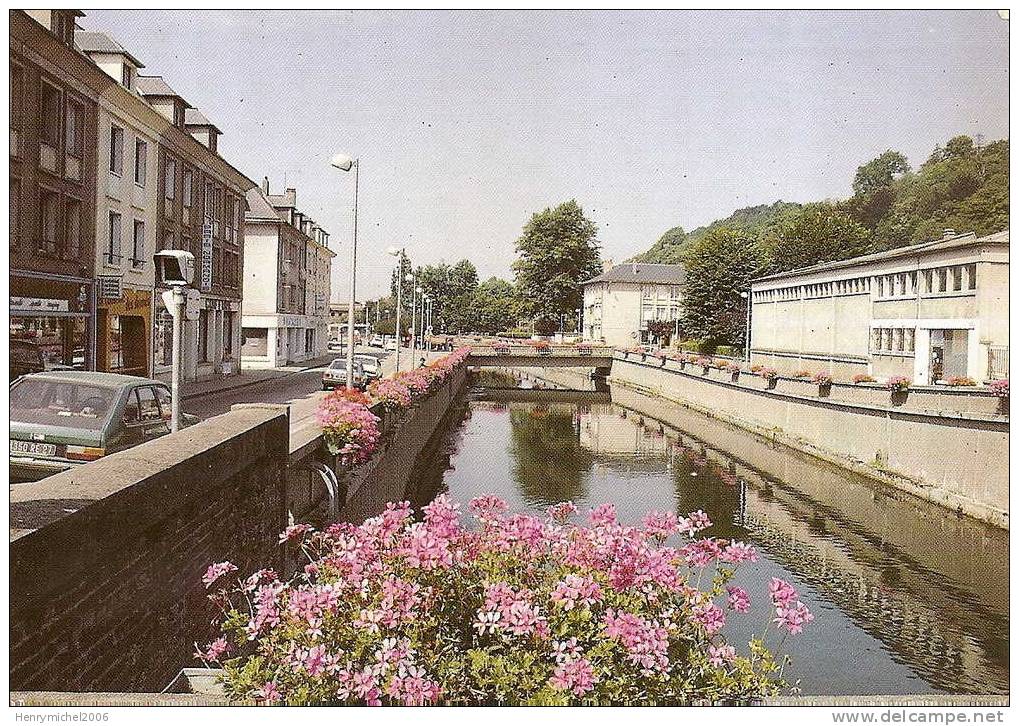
<point>909,598</point>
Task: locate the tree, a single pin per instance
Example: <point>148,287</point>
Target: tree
<point>880,172</point>
<point>817,233</point>
<point>718,269</point>
<point>399,274</point>
<point>661,330</point>
<point>495,306</point>
<point>668,249</point>
<point>556,252</point>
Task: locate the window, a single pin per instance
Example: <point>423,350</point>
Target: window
<point>138,245</point>
<point>956,278</point>
<point>148,406</point>
<point>72,228</point>
<point>162,338</point>
<point>210,193</point>
<point>170,179</point>
<point>117,150</point>
<point>49,221</point>
<point>17,105</point>
<point>942,279</point>
<point>50,105</point>
<point>165,402</point>
<point>115,338</point>
<point>971,276</point>
<point>141,152</point>
<point>203,336</point>
<point>897,339</point>
<point>73,130</point>
<point>14,214</point>
<point>127,76</point>
<point>186,190</point>
<point>113,242</point>
<point>167,240</point>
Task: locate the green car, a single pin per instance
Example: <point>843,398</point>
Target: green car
<point>62,419</point>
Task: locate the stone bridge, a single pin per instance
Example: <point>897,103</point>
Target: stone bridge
<point>598,357</point>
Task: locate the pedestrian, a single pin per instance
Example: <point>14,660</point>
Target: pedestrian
<point>422,363</point>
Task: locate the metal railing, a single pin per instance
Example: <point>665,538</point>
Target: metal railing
<point>997,362</point>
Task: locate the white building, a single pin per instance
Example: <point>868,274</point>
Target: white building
<point>929,312</point>
<point>620,302</point>
<point>287,263</point>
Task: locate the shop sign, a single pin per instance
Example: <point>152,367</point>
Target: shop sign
<point>110,287</point>
<point>291,321</point>
<point>207,256</point>
<point>38,305</point>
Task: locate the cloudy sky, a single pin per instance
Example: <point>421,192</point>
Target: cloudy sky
<point>468,122</point>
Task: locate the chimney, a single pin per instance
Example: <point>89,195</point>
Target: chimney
<point>291,196</point>
<point>606,265</point>
<point>949,232</point>
<point>265,185</point>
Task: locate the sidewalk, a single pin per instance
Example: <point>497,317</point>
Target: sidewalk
<point>250,377</point>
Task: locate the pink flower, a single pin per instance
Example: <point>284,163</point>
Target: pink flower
<point>738,552</point>
<point>739,599</point>
<point>709,616</point>
<point>295,533</point>
<point>269,693</point>
<point>216,571</point>
<point>782,593</point>
<point>574,589</point>
<point>213,651</point>
<point>701,552</point>
<point>719,655</point>
<point>412,687</point>
<point>487,506</point>
<point>793,617</point>
<point>660,524</point>
<point>694,523</point>
<point>560,513</point>
<point>576,676</point>
<point>602,515</point>
<point>647,643</point>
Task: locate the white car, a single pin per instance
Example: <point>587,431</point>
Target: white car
<point>391,344</point>
<point>376,342</point>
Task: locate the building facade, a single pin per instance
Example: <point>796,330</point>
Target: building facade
<point>53,160</point>
<point>620,302</point>
<point>928,312</point>
<point>286,289</point>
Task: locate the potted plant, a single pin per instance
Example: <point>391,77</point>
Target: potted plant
<point>733,368</point>
<point>705,363</point>
<point>863,378</point>
<point>960,381</point>
<point>1000,389</point>
<point>899,386</point>
<point>823,381</point>
<point>770,375</point>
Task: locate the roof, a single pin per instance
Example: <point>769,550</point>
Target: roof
<point>641,272</point>
<point>194,117</point>
<point>155,86</point>
<point>259,206</point>
<point>94,378</point>
<point>946,243</point>
<point>88,41</point>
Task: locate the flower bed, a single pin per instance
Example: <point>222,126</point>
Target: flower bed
<point>999,388</point>
<point>516,609</point>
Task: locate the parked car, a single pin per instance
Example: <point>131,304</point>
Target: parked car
<point>335,376</point>
<point>335,346</point>
<point>371,365</point>
<point>62,419</point>
<point>390,344</point>
<point>376,342</point>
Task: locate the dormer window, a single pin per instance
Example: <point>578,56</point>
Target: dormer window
<point>127,76</point>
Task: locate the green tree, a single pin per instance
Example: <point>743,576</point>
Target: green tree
<point>819,232</point>
<point>880,172</point>
<point>667,250</point>
<point>495,306</point>
<point>718,269</point>
<point>556,252</point>
<point>399,274</point>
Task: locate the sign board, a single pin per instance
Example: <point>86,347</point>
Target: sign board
<point>38,305</point>
<point>110,287</point>
<point>191,306</point>
<point>207,256</point>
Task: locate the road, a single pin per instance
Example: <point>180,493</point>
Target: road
<point>284,389</point>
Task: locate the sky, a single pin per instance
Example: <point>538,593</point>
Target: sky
<point>468,122</point>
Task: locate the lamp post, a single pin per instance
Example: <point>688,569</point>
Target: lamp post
<point>414,322</point>
<point>746,333</point>
<point>400,253</point>
<point>346,163</point>
<point>426,300</point>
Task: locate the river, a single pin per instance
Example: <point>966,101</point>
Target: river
<point>909,598</point>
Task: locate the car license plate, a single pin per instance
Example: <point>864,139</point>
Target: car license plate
<point>30,447</point>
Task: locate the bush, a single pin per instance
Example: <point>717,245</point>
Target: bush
<point>515,610</point>
<point>726,350</point>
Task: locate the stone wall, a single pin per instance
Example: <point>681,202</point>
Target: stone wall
<point>106,560</point>
<point>956,458</point>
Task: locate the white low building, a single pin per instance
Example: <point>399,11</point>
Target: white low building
<point>620,302</point>
<point>930,312</point>
<point>287,263</point>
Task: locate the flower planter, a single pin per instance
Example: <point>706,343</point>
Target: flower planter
<point>735,376</point>
<point>899,397</point>
<point>824,390</point>
<point>707,371</point>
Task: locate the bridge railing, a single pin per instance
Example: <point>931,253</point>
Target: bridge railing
<point>550,350</point>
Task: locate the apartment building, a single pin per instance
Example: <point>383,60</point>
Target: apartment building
<point>286,288</point>
<point>620,302</point>
<point>53,160</point>
<point>126,211</point>
<point>930,312</point>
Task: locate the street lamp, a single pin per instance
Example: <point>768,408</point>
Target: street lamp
<point>426,304</point>
<point>343,162</point>
<point>414,321</point>
<point>401,254</point>
<point>746,334</point>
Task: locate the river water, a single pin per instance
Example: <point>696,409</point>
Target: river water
<point>908,598</point>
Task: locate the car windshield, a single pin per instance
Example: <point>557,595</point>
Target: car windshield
<point>339,364</point>
<point>61,403</point>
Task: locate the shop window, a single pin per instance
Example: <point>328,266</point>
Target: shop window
<point>116,150</point>
<point>141,157</point>
<point>228,334</point>
<point>60,341</point>
<point>126,344</point>
<point>138,245</point>
<point>49,221</point>
<point>254,342</point>
<point>50,103</point>
<point>114,344</point>
<point>113,239</point>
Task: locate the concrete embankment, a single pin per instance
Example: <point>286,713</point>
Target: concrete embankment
<point>955,458</point>
<point>106,560</point>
